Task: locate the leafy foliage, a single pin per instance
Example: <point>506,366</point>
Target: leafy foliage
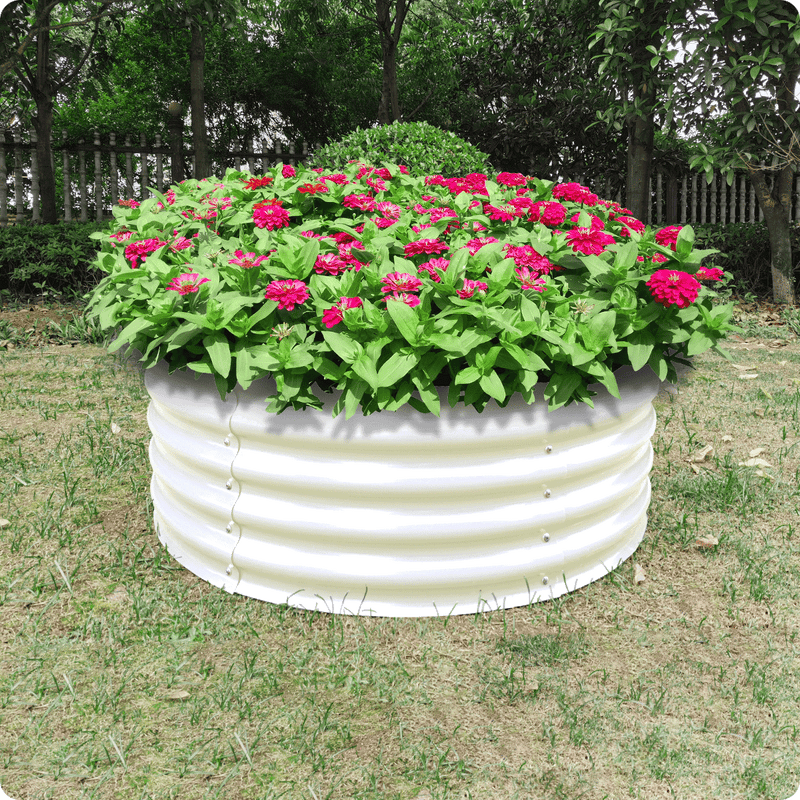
<point>416,144</point>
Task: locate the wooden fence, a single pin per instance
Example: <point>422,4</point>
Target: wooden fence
<point>92,177</point>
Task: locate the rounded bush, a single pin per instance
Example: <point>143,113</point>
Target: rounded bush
<point>424,148</point>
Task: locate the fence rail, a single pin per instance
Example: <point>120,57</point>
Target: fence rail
<point>92,176</point>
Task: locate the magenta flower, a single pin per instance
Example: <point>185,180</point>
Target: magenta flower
<point>247,260</point>
<point>287,294</point>
<point>432,246</point>
<point>709,274</point>
<point>551,214</point>
<point>187,283</point>
<point>409,299</point>
<point>526,256</point>
<point>362,202</point>
<point>511,179</point>
<point>671,287</point>
<point>329,264</point>
<point>430,267</point>
<point>575,193</point>
<point>400,282</point>
<point>389,210</point>
<point>630,222</point>
<point>590,242</point>
<point>530,280</point>
<point>504,213</point>
<point>288,171</point>
<point>668,237</point>
<point>335,314</point>
<point>140,250</point>
<point>471,287</point>
<point>473,245</point>
<point>270,216</point>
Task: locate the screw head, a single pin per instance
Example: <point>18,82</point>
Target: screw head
<point>549,449</point>
<point>229,570</point>
<point>226,441</point>
<point>546,492</point>
<point>229,527</point>
<point>229,483</point>
<point>545,580</point>
<point>546,537</point>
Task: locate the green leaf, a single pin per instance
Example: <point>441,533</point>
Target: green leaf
<point>639,354</point>
<point>493,386</point>
<point>218,349</point>
<point>364,367</point>
<point>405,318</point>
<point>346,348</point>
<point>395,367</point>
<point>130,332</point>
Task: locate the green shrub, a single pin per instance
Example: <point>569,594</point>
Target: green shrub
<point>417,145</point>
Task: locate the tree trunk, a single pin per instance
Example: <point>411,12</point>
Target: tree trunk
<point>197,51</point>
<point>776,206</point>
<point>640,158</point>
<point>43,123</point>
<point>389,31</point>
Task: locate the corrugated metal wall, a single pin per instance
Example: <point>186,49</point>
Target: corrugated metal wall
<point>399,513</point>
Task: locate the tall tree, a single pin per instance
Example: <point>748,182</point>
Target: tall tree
<point>637,52</point>
<point>744,59</point>
<point>42,80</point>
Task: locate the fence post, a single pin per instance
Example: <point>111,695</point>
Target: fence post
<point>723,198</point>
<point>145,179</point>
<point>18,178</point>
<point>797,199</point>
<point>66,183</point>
<point>112,140</point>
<point>3,180</point>
<point>128,168</point>
<point>713,188</point>
<point>251,156</point>
<point>98,179</point>
<point>82,181</point>
<point>159,165</point>
<point>175,123</point>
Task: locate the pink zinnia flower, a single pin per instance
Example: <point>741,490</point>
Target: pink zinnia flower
<point>596,224</point>
<point>709,274</point>
<point>187,283</point>
<point>504,213</point>
<point>288,293</point>
<point>338,178</point>
<point>288,171</point>
<point>473,245</point>
<point>140,250</point>
<point>551,214</point>
<point>630,222</point>
<point>270,216</point>
<point>247,260</point>
<point>668,237</point>
<point>430,267</point>
<point>511,179</point>
<point>590,242</point>
<point>471,287</point>
<point>362,202</point>
<point>409,299</point>
<point>671,287</point>
<point>335,314</point>
<point>526,256</point>
<point>329,264</point>
<point>313,188</point>
<point>432,246</point>
<point>575,193</point>
<point>400,282</point>
<point>389,210</point>
<point>530,280</point>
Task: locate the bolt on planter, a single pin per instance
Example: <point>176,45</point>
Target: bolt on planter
<point>399,513</point>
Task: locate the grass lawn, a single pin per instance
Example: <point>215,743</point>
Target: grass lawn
<point>122,675</point>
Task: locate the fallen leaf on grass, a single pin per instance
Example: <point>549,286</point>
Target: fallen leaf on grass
<point>755,462</point>
<point>115,428</point>
<point>4,523</point>
<point>706,542</point>
<point>727,438</point>
<point>759,412</point>
<point>701,455</point>
<point>741,367</point>
<point>757,451</point>
<point>638,574</point>
<point>176,694</point>
<point>749,377</point>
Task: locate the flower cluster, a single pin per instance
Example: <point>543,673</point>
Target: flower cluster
<point>383,286</point>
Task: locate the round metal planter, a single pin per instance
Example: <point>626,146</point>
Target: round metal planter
<point>399,513</point>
